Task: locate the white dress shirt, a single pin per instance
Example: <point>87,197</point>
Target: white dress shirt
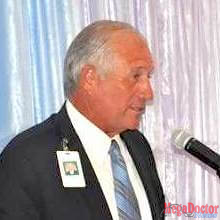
<point>97,144</point>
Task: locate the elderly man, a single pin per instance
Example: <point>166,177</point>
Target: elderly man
<point>108,68</point>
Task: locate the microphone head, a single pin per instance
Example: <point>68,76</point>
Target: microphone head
<point>180,138</point>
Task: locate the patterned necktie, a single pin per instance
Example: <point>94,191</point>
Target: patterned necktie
<point>126,200</point>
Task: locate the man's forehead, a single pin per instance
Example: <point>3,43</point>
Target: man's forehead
<point>120,35</point>
<point>124,40</point>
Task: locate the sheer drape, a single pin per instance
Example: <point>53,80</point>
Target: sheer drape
<point>184,37</point>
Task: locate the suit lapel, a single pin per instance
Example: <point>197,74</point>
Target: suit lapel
<point>92,193</point>
<point>144,162</point>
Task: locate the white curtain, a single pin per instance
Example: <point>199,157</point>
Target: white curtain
<point>184,37</point>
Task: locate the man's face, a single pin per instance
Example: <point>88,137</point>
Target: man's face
<point>121,96</point>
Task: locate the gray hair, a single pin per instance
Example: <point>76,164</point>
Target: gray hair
<point>89,47</point>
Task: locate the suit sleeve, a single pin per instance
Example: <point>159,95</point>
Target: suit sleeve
<point>16,178</point>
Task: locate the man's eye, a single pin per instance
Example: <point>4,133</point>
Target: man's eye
<point>136,75</point>
<point>149,75</point>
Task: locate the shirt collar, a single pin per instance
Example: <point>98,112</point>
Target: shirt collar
<point>95,142</point>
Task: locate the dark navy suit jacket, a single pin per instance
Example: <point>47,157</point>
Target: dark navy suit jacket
<point>30,183</point>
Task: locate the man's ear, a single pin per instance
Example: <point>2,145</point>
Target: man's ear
<point>89,77</point>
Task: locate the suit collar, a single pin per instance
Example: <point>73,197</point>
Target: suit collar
<point>66,130</point>
<point>93,191</point>
<point>141,153</point>
<point>137,155</point>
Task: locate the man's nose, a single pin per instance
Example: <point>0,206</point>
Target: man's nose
<point>146,90</point>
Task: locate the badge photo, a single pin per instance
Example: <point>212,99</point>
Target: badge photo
<point>70,169</point>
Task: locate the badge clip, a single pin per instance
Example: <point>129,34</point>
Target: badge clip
<point>64,144</point>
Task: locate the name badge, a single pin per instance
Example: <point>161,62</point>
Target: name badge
<point>70,169</point>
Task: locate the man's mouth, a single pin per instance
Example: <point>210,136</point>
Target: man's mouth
<point>138,109</point>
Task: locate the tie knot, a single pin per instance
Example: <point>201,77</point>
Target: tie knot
<point>115,152</point>
<point>114,149</point>
<point>114,144</point>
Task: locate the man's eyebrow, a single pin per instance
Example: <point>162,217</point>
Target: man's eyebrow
<point>143,68</point>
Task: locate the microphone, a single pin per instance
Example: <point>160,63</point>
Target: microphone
<point>183,140</point>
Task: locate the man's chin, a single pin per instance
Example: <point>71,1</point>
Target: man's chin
<point>134,125</point>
